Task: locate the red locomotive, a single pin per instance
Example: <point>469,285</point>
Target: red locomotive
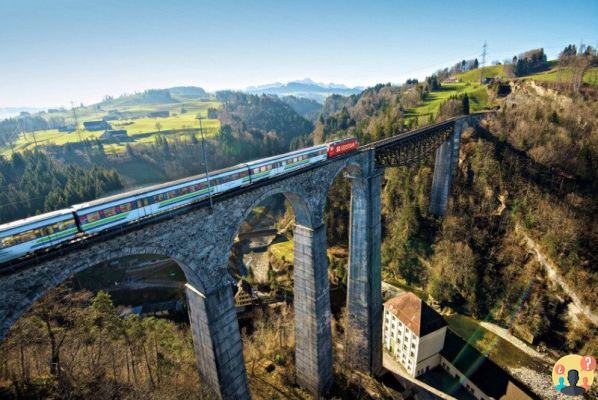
<point>341,147</point>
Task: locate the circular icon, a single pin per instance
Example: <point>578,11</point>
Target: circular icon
<point>588,363</point>
<point>573,374</point>
<point>559,369</point>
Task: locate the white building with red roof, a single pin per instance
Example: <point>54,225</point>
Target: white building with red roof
<point>413,333</point>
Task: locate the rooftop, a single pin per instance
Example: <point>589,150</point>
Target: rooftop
<point>479,369</point>
<point>419,317</point>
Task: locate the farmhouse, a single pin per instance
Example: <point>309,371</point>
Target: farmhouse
<point>96,125</point>
<point>114,134</point>
<point>159,114</point>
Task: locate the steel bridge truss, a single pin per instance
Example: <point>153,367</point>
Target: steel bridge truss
<point>409,148</point>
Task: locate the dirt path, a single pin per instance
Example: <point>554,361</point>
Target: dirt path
<point>520,344</point>
<point>554,275</point>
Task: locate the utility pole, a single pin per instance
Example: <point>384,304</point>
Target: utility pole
<point>484,51</point>
<point>205,159</point>
<point>25,135</point>
<point>76,120</point>
<point>34,139</point>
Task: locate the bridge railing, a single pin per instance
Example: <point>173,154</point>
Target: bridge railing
<point>393,140</point>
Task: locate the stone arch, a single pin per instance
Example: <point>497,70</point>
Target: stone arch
<point>301,210</point>
<point>54,280</point>
<point>313,344</point>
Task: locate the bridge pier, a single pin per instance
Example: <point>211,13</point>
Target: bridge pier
<point>364,299</point>
<point>447,156</point>
<point>313,338</point>
<point>217,342</point>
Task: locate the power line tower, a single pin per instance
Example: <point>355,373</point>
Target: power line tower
<point>76,120</point>
<point>484,52</point>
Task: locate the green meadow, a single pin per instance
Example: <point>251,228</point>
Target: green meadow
<point>559,74</point>
<point>478,98</point>
<point>181,121</point>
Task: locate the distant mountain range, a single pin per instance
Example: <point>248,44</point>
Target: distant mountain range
<point>7,112</point>
<point>305,88</point>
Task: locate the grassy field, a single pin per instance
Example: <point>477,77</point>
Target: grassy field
<point>558,74</point>
<point>283,251</point>
<point>473,76</point>
<point>554,74</point>
<point>502,352</point>
<point>477,93</point>
<point>140,130</point>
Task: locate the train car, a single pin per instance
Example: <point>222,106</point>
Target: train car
<point>31,234</point>
<point>179,193</point>
<point>28,235</point>
<point>104,213</point>
<point>108,212</point>
<point>270,167</point>
<point>343,146</point>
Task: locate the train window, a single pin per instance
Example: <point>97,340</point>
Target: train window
<point>63,225</point>
<point>7,241</point>
<point>28,236</point>
<point>109,212</point>
<point>92,217</point>
<point>125,207</point>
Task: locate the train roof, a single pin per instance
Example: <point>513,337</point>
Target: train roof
<point>152,188</point>
<point>34,219</point>
<point>343,140</point>
<point>284,155</point>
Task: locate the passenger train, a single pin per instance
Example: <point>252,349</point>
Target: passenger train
<point>29,235</point>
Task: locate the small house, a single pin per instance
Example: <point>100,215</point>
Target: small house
<point>159,114</point>
<point>114,134</point>
<point>96,125</point>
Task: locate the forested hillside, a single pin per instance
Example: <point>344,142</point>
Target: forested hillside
<point>531,169</point>
<point>32,183</point>
<point>265,121</point>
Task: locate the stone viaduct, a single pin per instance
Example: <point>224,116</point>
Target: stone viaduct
<point>200,241</point>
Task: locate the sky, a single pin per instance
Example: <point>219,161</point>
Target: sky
<point>56,52</point>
